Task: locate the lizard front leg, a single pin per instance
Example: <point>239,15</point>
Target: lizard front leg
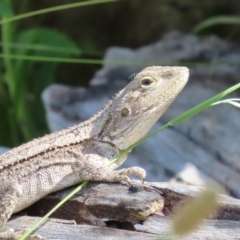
<point>95,169</point>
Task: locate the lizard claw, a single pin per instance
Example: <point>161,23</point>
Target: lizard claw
<point>124,173</point>
<point>126,180</point>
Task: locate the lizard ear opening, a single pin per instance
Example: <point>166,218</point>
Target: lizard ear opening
<point>125,112</point>
<point>147,82</point>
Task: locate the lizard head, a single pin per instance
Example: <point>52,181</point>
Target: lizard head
<point>136,108</point>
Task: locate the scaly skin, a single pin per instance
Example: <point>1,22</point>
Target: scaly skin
<point>62,159</point>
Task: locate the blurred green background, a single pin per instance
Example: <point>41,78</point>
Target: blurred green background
<point>66,41</point>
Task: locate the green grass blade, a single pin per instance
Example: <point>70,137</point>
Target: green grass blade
<point>41,47</point>
<point>216,20</point>
<point>111,62</point>
<point>232,101</point>
<point>6,31</point>
<point>136,144</point>
<point>41,221</point>
<point>190,113</point>
<point>54,9</point>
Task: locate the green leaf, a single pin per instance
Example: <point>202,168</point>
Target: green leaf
<point>46,42</point>
<point>5,11</point>
<point>216,20</point>
<point>39,42</point>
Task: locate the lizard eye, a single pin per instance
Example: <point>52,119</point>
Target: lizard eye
<point>125,112</point>
<point>147,82</point>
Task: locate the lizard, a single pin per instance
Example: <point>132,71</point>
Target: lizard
<point>68,157</point>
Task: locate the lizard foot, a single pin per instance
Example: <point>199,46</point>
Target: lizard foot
<point>123,174</point>
<point>10,234</point>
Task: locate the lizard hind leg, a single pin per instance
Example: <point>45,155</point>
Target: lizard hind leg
<point>10,192</point>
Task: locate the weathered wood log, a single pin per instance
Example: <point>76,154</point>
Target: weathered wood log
<point>115,211</point>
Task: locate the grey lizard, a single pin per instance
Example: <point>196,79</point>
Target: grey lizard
<point>82,152</point>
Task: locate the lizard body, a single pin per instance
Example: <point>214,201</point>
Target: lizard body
<point>82,152</point>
